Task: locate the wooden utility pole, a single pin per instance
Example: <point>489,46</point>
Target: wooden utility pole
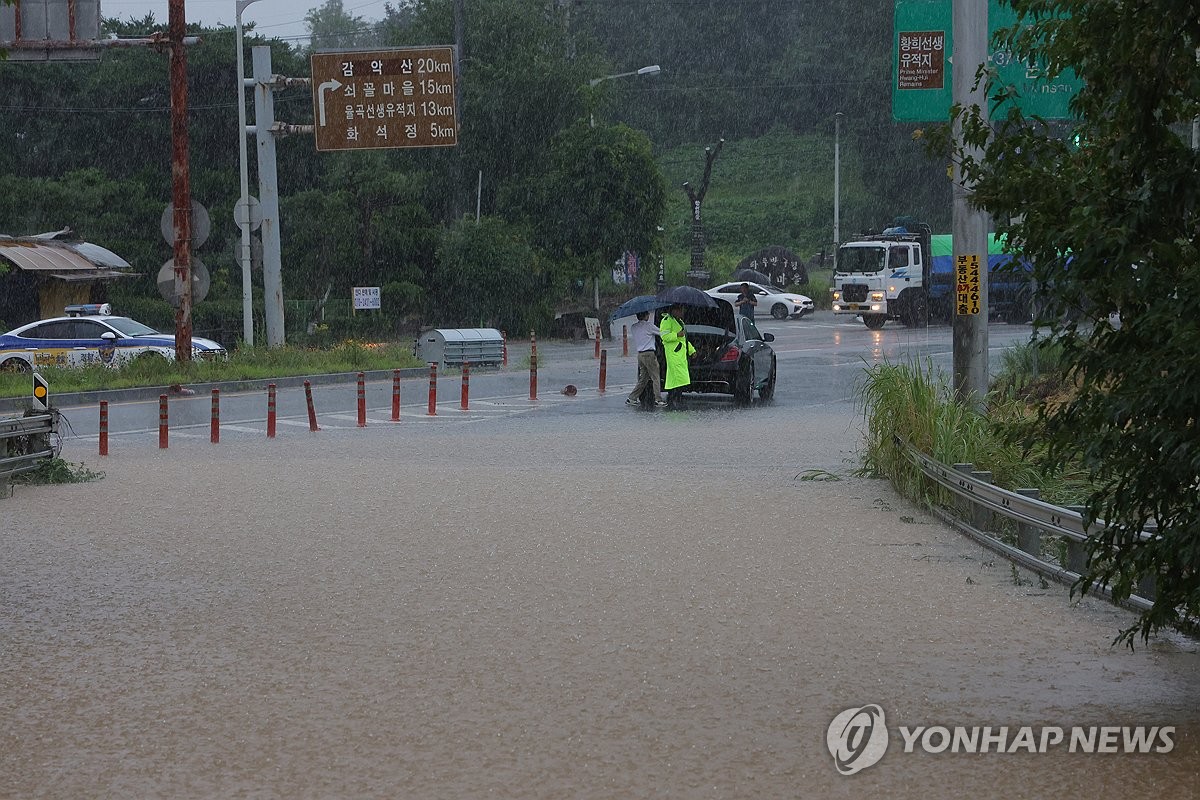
<point>696,198</point>
<point>181,193</point>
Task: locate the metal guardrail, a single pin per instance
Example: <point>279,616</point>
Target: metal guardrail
<point>979,499</point>
<point>25,442</point>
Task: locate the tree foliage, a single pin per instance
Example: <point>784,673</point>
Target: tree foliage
<point>1112,225</point>
<point>601,194</point>
<point>487,274</point>
<point>729,69</point>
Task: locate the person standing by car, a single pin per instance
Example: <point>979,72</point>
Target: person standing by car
<point>644,332</point>
<point>678,350</point>
<point>746,301</point>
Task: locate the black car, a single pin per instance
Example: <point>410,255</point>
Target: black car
<point>732,356</point>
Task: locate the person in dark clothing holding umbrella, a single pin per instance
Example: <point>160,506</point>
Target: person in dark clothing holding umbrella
<point>746,301</point>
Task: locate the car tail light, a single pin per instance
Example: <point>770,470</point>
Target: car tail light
<point>732,354</point>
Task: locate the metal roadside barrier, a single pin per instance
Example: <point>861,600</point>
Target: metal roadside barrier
<point>979,502</point>
<point>25,443</point>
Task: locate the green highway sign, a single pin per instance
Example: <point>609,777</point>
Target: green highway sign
<point>922,46</point>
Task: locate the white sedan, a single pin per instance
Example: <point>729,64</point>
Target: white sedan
<point>771,299</point>
<point>90,335</point>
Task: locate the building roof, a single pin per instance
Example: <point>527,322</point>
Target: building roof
<point>52,255</point>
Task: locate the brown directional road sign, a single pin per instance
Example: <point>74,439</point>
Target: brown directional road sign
<point>370,99</point>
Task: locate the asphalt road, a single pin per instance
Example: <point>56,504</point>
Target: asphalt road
<point>820,361</point>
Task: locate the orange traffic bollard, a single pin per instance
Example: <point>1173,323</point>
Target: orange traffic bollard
<point>362,400</point>
<point>504,348</point>
<point>395,395</point>
<point>270,411</point>
<point>432,412</point>
<point>312,410</point>
<point>603,368</point>
<point>532,366</point>
<point>597,353</point>
<point>625,341</point>
<point>103,427</point>
<point>214,433</point>
<point>162,422</point>
<point>466,385</point>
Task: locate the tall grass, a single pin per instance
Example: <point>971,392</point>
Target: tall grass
<point>915,402</point>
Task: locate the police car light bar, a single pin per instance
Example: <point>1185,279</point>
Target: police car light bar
<point>82,309</point>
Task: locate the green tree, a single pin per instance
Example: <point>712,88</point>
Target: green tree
<point>601,193</point>
<point>1114,225</point>
<point>488,274</point>
<point>332,27</point>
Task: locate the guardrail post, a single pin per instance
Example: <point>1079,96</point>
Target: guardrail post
<point>103,427</point>
<point>214,432</point>
<point>395,395</point>
<point>982,520</point>
<point>271,407</point>
<point>1076,550</point>
<point>162,422</point>
<point>966,506</point>
<point>1029,537</point>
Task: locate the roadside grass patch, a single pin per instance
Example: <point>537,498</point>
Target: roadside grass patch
<point>246,363</point>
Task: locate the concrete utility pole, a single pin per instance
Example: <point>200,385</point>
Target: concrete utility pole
<point>181,192</point>
<point>969,226</point>
<point>268,194</point>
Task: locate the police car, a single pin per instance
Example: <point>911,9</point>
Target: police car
<point>89,334</point>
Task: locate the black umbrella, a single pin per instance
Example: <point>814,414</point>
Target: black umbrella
<point>643,302</point>
<point>751,275</point>
<point>686,296</point>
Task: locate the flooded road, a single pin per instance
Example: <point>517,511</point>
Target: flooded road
<point>580,601</point>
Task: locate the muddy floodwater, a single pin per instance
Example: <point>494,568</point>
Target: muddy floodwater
<point>611,605</point>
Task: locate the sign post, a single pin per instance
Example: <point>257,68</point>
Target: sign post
<point>372,99</point>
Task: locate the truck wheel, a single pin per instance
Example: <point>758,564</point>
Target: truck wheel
<point>916,313</point>
<point>874,321</point>
<point>778,311</point>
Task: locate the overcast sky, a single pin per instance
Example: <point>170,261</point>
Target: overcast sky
<point>282,18</point>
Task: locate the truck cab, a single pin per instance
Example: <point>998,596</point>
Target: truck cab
<point>884,276</point>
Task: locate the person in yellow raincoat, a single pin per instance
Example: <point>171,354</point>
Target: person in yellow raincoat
<point>678,350</point>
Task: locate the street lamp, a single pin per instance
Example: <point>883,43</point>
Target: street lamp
<point>653,69</point>
<point>837,186</point>
<point>244,203</point>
